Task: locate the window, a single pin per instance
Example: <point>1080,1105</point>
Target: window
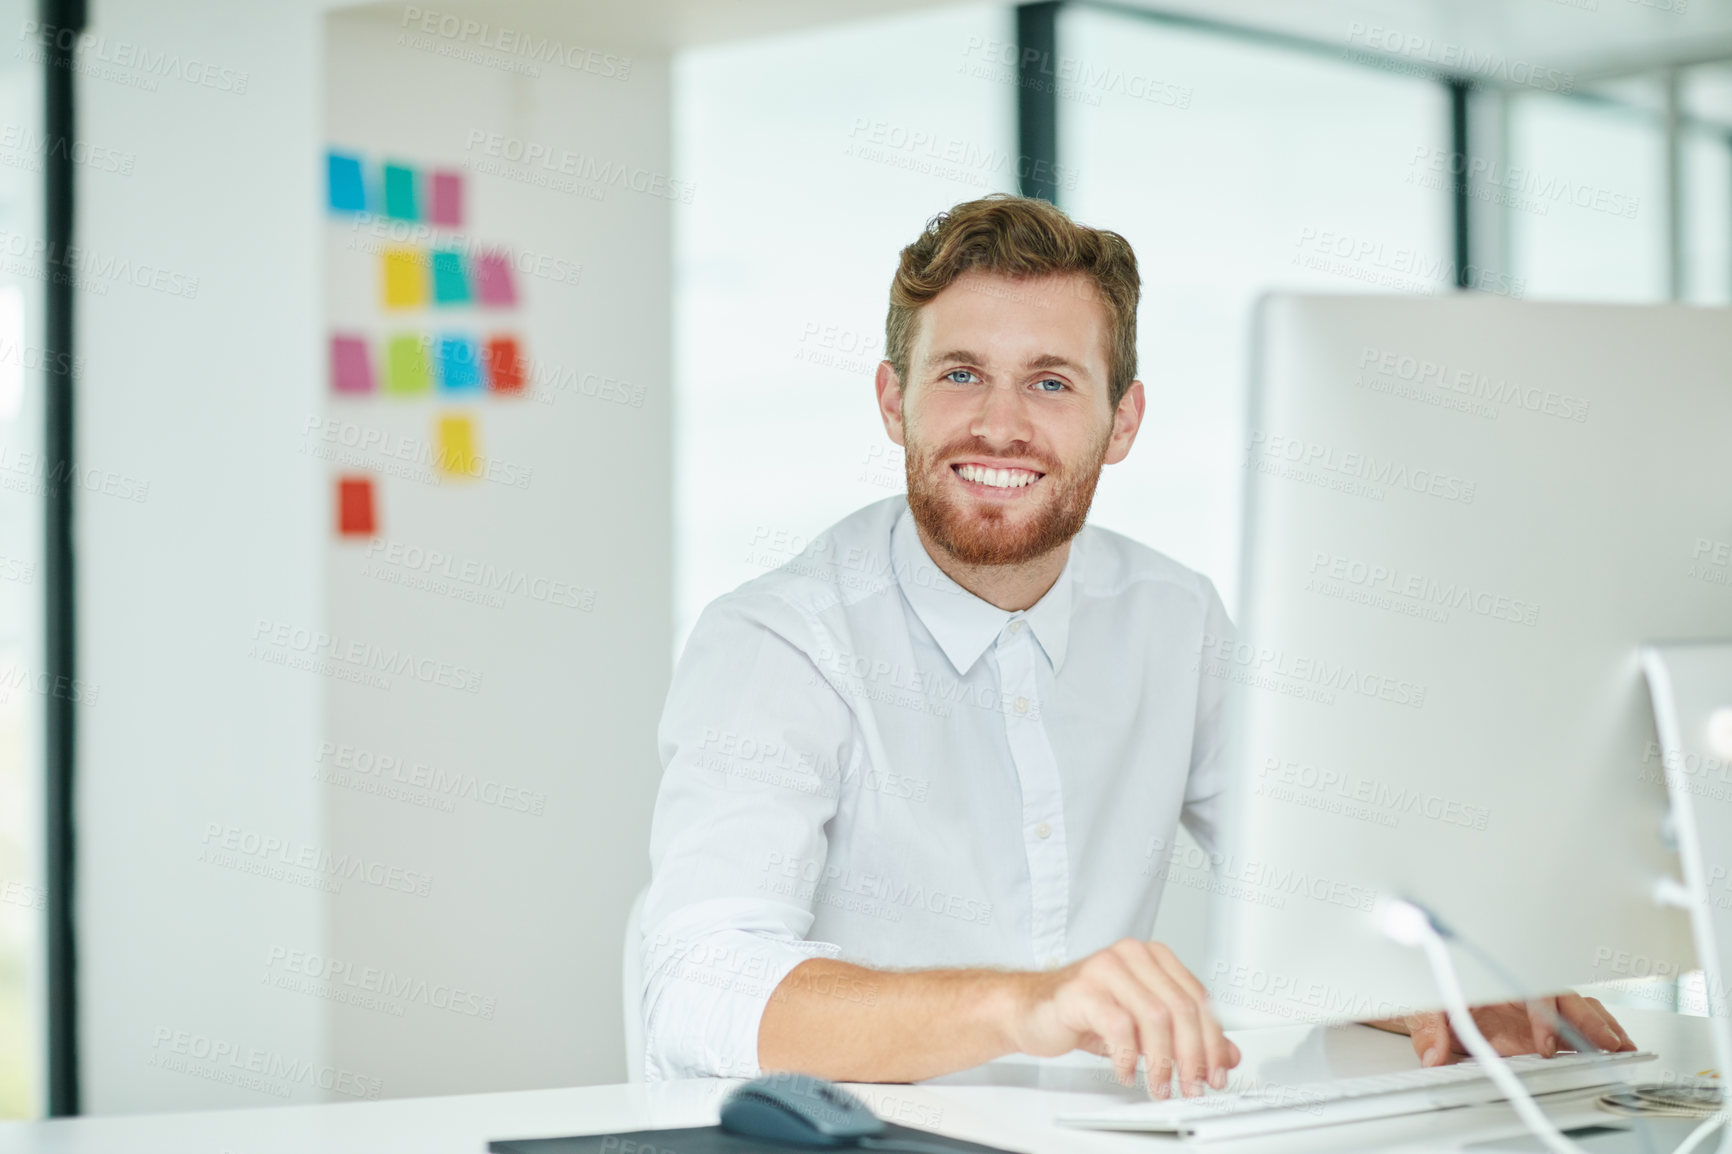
<point>22,894</point>
<point>1707,185</point>
<point>1235,165</point>
<point>816,158</point>
<point>1234,169</point>
<point>1588,213</point>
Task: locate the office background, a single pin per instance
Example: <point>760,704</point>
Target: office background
<point>702,245</point>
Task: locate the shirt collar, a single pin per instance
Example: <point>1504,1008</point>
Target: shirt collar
<point>963,624</point>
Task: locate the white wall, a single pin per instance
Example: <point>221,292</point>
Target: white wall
<point>525,910</point>
<point>199,724</point>
<point>201,397</point>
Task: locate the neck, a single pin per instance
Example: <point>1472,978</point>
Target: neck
<point>1009,587</point>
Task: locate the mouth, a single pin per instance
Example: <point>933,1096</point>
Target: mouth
<point>996,478</point>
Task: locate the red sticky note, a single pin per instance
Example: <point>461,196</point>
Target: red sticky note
<point>355,515</point>
<point>493,285</point>
<point>447,199</point>
<point>351,371</point>
<point>504,365</point>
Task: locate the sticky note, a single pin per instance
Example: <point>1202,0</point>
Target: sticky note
<point>504,365</point>
<point>493,279</point>
<point>347,191</point>
<point>405,278</point>
<point>400,200</point>
<point>458,454</point>
<point>356,516</point>
<point>351,368</point>
<point>447,208</point>
<point>459,364</point>
<point>407,367</point>
<point>450,282</point>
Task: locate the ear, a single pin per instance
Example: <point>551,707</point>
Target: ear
<point>1127,419</point>
<point>890,401</point>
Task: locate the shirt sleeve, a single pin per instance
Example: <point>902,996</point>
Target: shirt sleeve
<point>1206,787</point>
<point>754,746</point>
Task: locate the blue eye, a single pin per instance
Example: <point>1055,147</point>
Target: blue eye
<point>954,373</point>
<point>1056,385</point>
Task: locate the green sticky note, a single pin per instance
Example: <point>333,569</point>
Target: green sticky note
<point>407,370</point>
<point>400,200</point>
<point>450,283</point>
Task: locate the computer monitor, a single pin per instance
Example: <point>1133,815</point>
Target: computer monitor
<point>1464,518</point>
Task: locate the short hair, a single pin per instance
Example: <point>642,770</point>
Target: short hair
<point>1022,238</point>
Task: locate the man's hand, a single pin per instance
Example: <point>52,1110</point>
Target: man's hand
<point>1129,1000</point>
<point>1514,1028</point>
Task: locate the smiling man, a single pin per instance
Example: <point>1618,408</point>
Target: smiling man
<point>911,776</point>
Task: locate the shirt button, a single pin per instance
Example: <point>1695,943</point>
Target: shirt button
<point>1051,963</point>
<point>1016,625</point>
<point>1020,705</point>
<point>1043,830</point>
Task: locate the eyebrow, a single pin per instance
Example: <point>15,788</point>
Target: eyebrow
<point>1054,361</point>
<point>1044,361</point>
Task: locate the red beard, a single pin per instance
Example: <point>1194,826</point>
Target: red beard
<point>986,535</point>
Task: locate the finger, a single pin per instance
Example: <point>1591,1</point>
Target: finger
<point>1515,1027</point>
<point>1197,1039</point>
<point>1093,1043</point>
<point>1168,1035</point>
<point>1115,1028</point>
<point>1626,1043</point>
<point>1215,1044</point>
<point>1430,1036</point>
<point>1591,1018</point>
<point>1542,1021</point>
<point>1509,1027</point>
<point>1197,1036</point>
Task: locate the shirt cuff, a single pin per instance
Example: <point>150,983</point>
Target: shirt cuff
<point>705,997</point>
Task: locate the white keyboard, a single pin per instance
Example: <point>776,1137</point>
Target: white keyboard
<point>1296,1106</point>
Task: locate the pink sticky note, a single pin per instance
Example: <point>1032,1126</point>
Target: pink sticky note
<point>351,371</point>
<point>447,199</point>
<point>493,285</point>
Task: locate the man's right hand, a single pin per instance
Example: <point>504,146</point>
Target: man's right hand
<point>1132,999</point>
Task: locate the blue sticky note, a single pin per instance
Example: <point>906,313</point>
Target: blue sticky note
<point>450,282</point>
<point>459,364</point>
<point>400,200</point>
<point>348,193</point>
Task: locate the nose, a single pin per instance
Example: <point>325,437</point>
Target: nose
<point>1003,418</point>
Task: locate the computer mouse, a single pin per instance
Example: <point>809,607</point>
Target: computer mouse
<point>798,1110</point>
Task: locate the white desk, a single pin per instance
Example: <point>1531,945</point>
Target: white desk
<point>1009,1104</point>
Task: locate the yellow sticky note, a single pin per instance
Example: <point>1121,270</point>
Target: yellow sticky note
<point>459,453</point>
<point>405,278</point>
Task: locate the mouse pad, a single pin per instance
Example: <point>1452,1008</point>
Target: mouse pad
<point>715,1140</point>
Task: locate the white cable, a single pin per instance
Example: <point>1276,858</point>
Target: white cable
<point>1702,1131</point>
<point>1420,931</point>
<point>1465,1028</point>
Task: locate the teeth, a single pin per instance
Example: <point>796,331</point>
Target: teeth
<point>998,478</point>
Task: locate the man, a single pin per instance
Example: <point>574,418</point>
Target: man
<point>910,776</point>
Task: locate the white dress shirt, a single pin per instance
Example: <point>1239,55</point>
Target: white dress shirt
<point>865,761</point>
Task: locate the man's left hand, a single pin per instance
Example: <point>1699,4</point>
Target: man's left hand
<point>1517,1028</point>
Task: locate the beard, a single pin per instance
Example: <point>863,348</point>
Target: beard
<point>987,535</point>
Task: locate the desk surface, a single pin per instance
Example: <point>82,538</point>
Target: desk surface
<point>1009,1103</point>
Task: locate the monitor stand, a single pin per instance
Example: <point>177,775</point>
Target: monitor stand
<point>1691,688</point>
<point>1612,1136</point>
